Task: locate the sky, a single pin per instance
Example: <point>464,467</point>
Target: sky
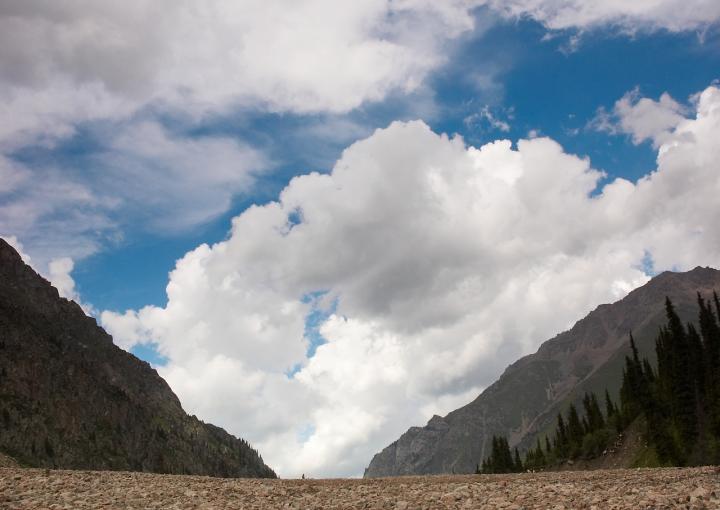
<point>324,222</point>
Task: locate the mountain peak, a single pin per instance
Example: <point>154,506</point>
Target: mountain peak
<point>7,252</point>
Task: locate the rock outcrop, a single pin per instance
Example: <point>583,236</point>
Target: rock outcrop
<point>524,402</point>
<point>70,398</point>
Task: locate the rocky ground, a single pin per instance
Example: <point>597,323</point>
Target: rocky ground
<point>7,462</point>
<point>38,489</point>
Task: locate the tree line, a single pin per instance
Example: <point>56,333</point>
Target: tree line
<point>678,401</point>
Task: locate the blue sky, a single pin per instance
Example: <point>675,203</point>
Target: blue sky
<point>271,194</point>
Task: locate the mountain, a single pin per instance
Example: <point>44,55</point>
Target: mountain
<point>70,398</point>
<point>524,402</point>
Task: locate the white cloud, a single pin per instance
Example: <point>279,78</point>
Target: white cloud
<point>442,261</point>
<point>631,16</point>
<point>142,175</point>
<point>177,181</point>
<point>12,175</point>
<point>493,120</point>
<point>72,62</point>
<point>641,118</point>
<point>59,273</point>
<point>82,60</point>
<point>55,215</point>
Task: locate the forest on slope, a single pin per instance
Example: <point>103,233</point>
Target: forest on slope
<point>677,402</point>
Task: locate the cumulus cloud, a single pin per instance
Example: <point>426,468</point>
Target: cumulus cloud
<point>433,263</point>
<point>642,118</point>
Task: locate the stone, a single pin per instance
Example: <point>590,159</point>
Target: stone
<point>28,489</point>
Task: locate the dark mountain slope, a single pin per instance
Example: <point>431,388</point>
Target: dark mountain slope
<point>70,398</point>
<point>525,400</point>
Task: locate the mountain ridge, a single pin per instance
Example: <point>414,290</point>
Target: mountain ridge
<point>525,399</point>
<point>70,398</point>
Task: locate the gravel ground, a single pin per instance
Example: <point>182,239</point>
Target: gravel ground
<point>38,489</point>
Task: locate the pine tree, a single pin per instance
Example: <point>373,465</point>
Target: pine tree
<point>696,359</point>
<point>710,331</point>
<point>680,400</point>
<point>518,465</point>
<point>501,459</point>
<point>609,406</point>
<point>548,448</point>
<point>635,392</point>
<point>575,428</point>
<point>508,465</point>
<point>593,416</point>
<point>648,372</point>
<point>683,399</point>
<point>540,459</point>
<point>561,436</point>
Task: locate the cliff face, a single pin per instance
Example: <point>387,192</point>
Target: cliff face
<point>70,398</point>
<point>524,402</point>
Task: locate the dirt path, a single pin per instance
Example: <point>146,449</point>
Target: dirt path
<point>647,488</point>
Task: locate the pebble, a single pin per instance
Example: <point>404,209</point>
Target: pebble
<point>33,489</point>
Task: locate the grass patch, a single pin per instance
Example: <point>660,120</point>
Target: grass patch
<point>647,458</point>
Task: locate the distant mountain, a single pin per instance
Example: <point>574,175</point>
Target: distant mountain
<point>525,401</point>
<point>70,398</point>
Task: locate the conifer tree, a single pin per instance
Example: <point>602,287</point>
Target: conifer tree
<point>540,459</point>
<point>710,331</point>
<point>681,378</point>
<point>648,372</point>
<point>548,448</point>
<point>679,399</point>
<point>518,465</point>
<point>501,459</point>
<point>561,435</point>
<point>593,419</point>
<point>574,428</point>
<point>609,406</point>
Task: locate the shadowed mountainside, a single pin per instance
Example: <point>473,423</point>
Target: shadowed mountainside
<point>524,402</point>
<point>70,398</point>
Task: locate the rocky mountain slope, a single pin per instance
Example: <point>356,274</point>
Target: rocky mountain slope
<point>524,402</point>
<point>70,398</point>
